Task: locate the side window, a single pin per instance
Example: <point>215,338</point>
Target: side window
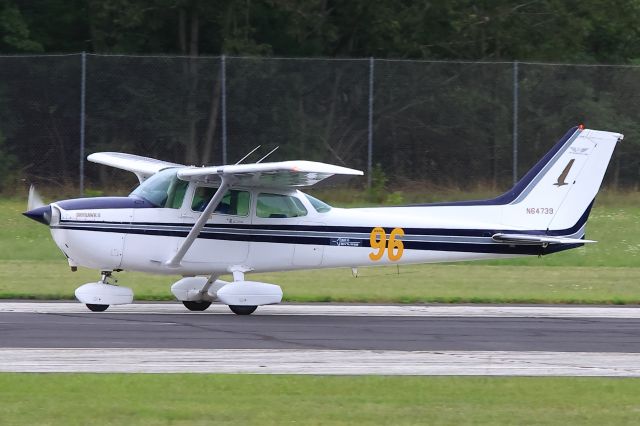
<point>279,206</point>
<point>233,203</point>
<point>163,189</point>
<point>175,194</point>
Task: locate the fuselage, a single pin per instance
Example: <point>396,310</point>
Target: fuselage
<point>270,230</point>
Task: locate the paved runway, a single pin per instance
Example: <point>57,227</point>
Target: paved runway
<point>170,326</point>
<point>330,339</point>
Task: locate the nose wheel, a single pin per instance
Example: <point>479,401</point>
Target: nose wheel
<point>97,308</point>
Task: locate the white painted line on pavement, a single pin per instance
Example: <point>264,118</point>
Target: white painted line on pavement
<point>330,362</point>
<point>504,311</point>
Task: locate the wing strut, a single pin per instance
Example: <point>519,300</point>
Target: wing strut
<point>174,262</point>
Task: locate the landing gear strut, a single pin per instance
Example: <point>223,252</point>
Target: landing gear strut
<point>193,292</point>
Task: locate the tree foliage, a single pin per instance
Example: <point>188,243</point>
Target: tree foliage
<point>549,30</point>
<point>446,122</point>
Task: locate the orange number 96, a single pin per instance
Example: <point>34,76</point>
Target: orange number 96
<point>378,241</point>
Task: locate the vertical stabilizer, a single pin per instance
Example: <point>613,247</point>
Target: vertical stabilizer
<point>558,192</point>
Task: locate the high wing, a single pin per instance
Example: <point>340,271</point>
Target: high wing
<point>282,174</point>
<point>143,167</point>
<point>540,240</point>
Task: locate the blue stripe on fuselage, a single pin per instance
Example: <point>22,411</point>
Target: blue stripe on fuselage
<point>239,233</point>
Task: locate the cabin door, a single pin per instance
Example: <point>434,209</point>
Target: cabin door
<point>224,241</point>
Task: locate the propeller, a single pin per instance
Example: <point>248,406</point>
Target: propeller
<point>36,208</point>
<point>35,200</point>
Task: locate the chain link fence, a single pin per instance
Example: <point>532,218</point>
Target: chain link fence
<point>450,124</point>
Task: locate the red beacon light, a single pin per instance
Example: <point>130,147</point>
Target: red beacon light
<point>580,126</point>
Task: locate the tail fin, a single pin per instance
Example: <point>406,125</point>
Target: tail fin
<point>557,193</point>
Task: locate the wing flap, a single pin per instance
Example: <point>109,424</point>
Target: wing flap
<point>527,239</point>
<point>277,175</point>
<point>143,167</point>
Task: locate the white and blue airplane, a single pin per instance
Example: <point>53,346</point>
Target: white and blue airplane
<point>204,222</point>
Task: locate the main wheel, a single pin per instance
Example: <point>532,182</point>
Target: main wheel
<point>242,310</point>
<point>97,308</point>
<point>196,306</point>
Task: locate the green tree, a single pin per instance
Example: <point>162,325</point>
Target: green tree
<point>14,32</point>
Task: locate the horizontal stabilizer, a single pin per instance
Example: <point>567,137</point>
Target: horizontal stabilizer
<point>143,167</point>
<point>536,240</point>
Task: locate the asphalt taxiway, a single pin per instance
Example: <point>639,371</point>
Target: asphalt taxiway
<point>323,339</point>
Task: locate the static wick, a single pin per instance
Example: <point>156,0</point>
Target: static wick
<point>354,272</point>
<point>398,266</point>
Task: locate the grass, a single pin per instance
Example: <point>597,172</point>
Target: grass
<point>415,284</point>
<point>31,266</point>
<point>181,399</point>
<point>609,272</point>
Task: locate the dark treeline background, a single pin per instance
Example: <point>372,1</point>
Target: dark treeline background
<point>545,30</point>
<point>446,123</point>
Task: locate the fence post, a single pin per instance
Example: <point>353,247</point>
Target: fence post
<point>515,122</point>
<point>83,88</point>
<point>223,106</point>
<point>370,129</point>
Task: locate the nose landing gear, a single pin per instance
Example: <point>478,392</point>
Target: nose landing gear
<point>99,295</point>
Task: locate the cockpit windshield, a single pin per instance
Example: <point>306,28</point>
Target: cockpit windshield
<point>320,206</point>
<point>163,189</point>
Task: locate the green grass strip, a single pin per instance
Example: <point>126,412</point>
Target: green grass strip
<point>32,267</point>
<point>189,399</point>
<point>448,283</point>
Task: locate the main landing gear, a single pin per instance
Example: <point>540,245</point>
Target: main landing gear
<point>242,297</point>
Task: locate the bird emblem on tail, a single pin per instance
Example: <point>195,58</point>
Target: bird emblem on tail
<point>563,175</point>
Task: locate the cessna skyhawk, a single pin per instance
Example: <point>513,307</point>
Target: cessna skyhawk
<point>204,222</point>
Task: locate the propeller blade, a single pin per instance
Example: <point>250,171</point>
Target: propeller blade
<point>35,200</point>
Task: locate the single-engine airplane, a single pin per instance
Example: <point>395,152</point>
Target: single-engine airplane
<point>203,222</point>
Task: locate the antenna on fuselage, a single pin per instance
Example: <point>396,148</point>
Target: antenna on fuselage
<point>250,152</point>
<point>270,152</point>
